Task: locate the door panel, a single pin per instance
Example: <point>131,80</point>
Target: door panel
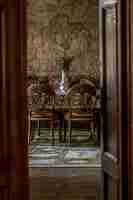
<point>110,77</point>
<point>110,38</point>
<point>4,164</point>
<point>4,194</point>
<point>13,118</point>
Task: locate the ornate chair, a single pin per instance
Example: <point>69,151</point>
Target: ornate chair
<point>85,110</point>
<point>44,116</point>
<point>41,108</point>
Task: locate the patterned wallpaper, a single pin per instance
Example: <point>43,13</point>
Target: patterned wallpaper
<point>60,29</point>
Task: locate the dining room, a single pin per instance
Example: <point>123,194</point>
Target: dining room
<point>63,87</point>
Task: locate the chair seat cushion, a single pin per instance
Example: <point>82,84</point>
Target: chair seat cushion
<point>42,114</point>
<point>76,115</point>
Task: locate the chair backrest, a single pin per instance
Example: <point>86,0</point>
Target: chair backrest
<point>40,95</point>
<point>83,94</point>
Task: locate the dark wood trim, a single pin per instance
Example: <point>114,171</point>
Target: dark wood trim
<point>13,111</point>
<point>124,113</point>
<point>16,107</point>
<point>129,64</point>
<point>127,98</point>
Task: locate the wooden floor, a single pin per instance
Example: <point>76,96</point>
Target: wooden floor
<point>65,183</point>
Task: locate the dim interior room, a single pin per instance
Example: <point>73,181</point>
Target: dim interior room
<point>64,96</point>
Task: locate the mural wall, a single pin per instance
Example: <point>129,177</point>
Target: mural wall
<point>59,29</point>
<point>62,35</point>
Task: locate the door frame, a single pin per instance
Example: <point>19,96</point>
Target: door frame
<point>123,106</point>
<point>127,31</point>
<point>13,100</point>
<point>127,102</point>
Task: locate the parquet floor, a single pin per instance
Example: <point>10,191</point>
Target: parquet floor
<point>43,154</point>
<point>65,183</point>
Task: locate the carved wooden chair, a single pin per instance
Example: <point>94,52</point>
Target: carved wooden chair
<point>42,108</point>
<point>48,116</point>
<point>84,111</point>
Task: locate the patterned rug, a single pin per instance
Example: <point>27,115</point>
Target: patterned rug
<point>80,137</point>
<point>43,154</point>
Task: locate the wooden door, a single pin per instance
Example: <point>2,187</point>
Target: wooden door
<point>13,142</point>
<point>110,56</point>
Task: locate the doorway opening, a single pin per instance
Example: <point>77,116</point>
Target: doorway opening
<point>63,88</point>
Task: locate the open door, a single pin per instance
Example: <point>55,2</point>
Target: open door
<point>13,138</point>
<point>109,11</point>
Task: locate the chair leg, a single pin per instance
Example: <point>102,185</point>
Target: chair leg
<point>92,131</point>
<point>98,128</point>
<point>38,127</point>
<point>64,130</point>
<point>60,134</point>
<point>32,124</point>
<point>89,130</point>
<point>52,129</point>
<point>70,132</point>
<point>61,121</point>
<point>29,129</point>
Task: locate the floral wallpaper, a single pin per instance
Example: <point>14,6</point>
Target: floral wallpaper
<point>59,29</point>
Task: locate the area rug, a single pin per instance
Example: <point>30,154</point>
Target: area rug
<point>61,156</point>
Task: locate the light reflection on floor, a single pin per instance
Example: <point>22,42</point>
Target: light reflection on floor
<point>42,154</point>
